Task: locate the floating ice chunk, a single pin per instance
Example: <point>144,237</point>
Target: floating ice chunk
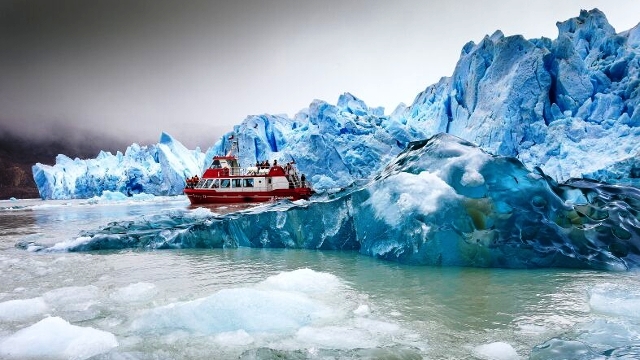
<point>496,351</point>
<point>234,338</point>
<point>55,338</point>
<point>336,337</point>
<point>607,335</point>
<point>615,300</point>
<point>65,245</point>
<point>362,310</point>
<point>110,196</point>
<point>19,310</point>
<point>302,280</point>
<point>200,213</point>
<point>231,310</point>
<point>135,293</point>
<point>562,349</point>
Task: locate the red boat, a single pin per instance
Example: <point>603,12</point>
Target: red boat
<point>224,182</point>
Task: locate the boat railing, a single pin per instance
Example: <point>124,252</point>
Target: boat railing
<point>296,182</point>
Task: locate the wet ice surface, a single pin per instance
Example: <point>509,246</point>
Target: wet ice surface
<point>53,337</point>
<point>442,201</point>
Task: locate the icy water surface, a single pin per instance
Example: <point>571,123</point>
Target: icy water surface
<point>287,304</point>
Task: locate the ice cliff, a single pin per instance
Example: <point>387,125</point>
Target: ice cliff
<point>569,106</point>
<point>157,169</point>
<point>442,201</point>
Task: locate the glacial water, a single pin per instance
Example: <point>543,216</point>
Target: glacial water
<point>286,304</point>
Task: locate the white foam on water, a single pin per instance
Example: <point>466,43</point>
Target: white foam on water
<point>22,309</point>
<point>138,292</point>
<point>496,351</point>
<point>55,338</point>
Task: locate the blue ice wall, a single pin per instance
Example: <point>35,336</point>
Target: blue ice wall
<point>442,201</point>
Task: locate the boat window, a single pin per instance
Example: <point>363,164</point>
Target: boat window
<point>248,182</point>
<point>237,183</point>
<point>269,180</point>
<point>207,183</point>
<point>215,164</point>
<point>224,183</point>
<point>201,183</point>
<point>214,184</point>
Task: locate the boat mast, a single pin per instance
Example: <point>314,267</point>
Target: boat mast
<point>234,145</point>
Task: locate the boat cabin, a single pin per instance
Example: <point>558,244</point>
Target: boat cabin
<point>222,166</point>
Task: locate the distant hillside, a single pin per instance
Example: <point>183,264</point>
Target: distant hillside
<point>18,155</point>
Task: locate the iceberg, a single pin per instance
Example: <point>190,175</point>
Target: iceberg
<point>159,169</point>
<point>442,201</point>
<point>569,106</point>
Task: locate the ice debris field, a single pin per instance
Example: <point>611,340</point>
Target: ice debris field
<point>303,306</point>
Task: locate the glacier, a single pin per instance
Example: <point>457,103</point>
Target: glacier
<point>441,201</point>
<point>568,106</point>
<point>158,169</point>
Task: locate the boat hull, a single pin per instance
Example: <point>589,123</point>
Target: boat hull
<point>208,196</point>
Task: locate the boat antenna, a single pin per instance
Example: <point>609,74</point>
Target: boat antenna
<point>291,156</point>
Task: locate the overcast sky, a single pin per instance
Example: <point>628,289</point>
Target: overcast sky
<point>131,69</point>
